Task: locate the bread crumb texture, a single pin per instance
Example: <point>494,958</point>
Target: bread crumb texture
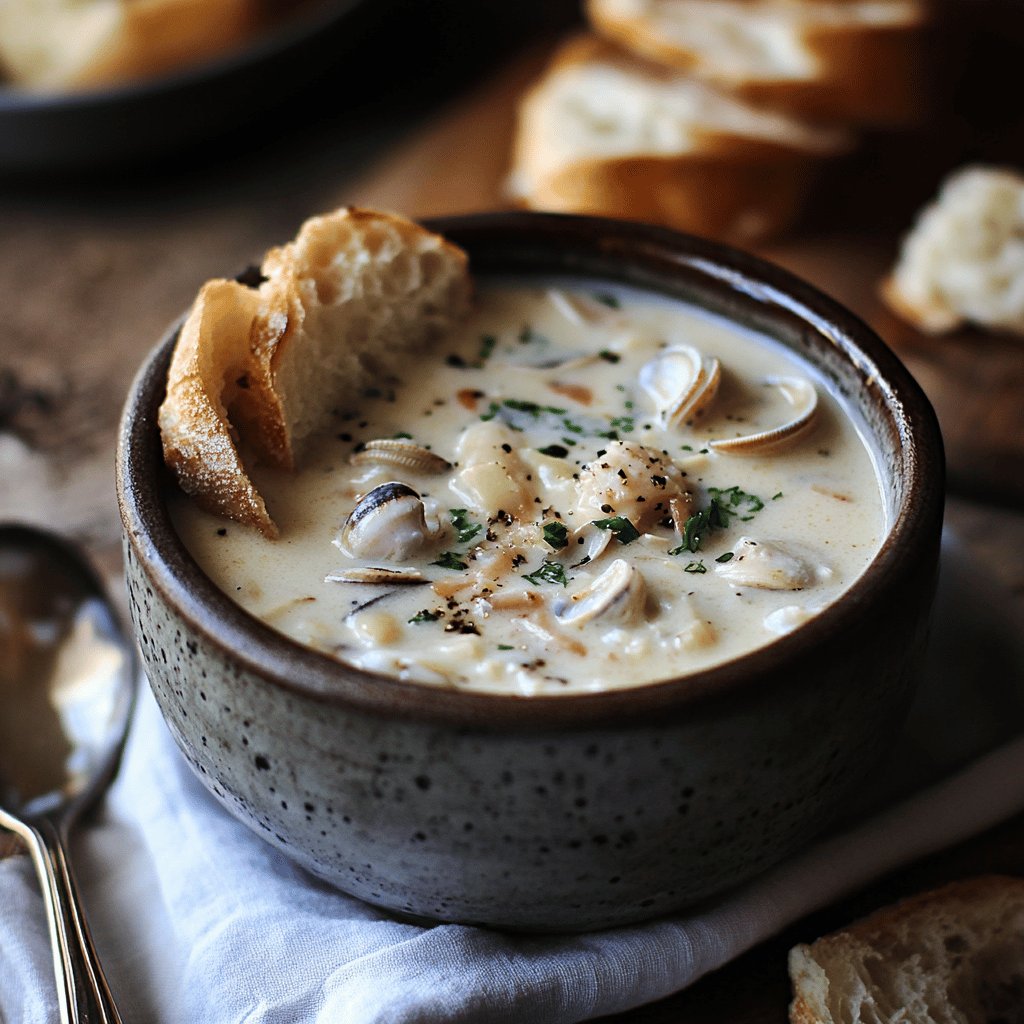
<point>951,956</point>
<point>260,370</point>
<point>963,261</point>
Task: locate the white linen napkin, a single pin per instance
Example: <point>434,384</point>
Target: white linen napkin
<point>199,921</point>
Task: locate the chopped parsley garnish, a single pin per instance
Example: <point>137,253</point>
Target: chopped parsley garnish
<point>607,299</point>
<point>402,435</point>
<point>549,572</point>
<point>727,557</point>
<point>574,428</point>
<point>696,568</point>
<point>699,525</point>
<point>467,530</point>
<point>610,357</point>
<point>732,498</point>
<point>487,343</point>
<point>505,647</point>
<point>775,497</point>
<point>624,423</point>
<point>532,407</point>
<point>569,441</point>
<point>450,560</point>
<point>556,451</point>
<point>426,616</point>
<point>492,411</point>
<point>625,532</point>
<point>556,534</point>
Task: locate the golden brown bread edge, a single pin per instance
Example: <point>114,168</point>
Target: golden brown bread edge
<point>224,383</point>
<point>729,186</point>
<point>868,75</point>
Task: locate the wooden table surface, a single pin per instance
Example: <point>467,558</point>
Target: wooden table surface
<point>93,268</point>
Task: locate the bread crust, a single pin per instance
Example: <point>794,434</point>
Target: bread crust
<point>871,75</point>
<point>244,356</point>
<point>948,938</point>
<point>210,357</point>
<point>726,185</point>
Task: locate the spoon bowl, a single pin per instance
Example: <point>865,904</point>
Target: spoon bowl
<point>67,687</point>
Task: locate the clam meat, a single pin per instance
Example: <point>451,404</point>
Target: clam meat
<point>402,454</point>
<point>770,565</point>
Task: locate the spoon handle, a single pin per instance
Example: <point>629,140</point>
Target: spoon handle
<point>82,990</point>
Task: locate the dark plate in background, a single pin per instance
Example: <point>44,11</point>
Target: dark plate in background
<point>72,130</point>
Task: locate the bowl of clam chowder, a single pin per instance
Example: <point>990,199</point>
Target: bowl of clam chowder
<point>609,598</point>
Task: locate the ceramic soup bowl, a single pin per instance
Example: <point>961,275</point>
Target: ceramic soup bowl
<point>548,812</point>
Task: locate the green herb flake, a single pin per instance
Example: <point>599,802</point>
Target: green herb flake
<point>505,647</point>
<point>727,557</point>
<point>466,530</point>
<point>549,572</point>
<point>402,435</point>
<point>696,568</point>
<point>625,532</point>
<point>607,299</point>
<point>569,441</point>
<point>450,560</point>
<point>610,357</point>
<point>700,524</point>
<point>492,411</point>
<point>425,616</point>
<point>487,344</point>
<point>624,423</point>
<point>775,497</point>
<point>556,534</point>
<point>528,336</point>
<point>735,498</point>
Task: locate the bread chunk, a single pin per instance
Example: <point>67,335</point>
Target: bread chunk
<point>341,307</point>
<point>605,133</point>
<point>951,956</point>
<point>963,261</point>
<point>855,61</point>
<point>75,44</point>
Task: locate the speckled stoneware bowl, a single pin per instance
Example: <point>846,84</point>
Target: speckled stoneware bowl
<point>556,813</point>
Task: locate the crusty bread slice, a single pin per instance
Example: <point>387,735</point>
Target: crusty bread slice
<point>211,365</point>
<point>605,133</point>
<point>340,308</point>
<point>963,261</point>
<point>854,61</point>
<point>70,44</point>
<point>952,956</point>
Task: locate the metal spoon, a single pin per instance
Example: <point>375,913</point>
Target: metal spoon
<point>67,685</point>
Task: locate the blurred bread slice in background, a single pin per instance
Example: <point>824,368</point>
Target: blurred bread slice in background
<point>963,261</point>
<point>77,44</point>
<point>605,133</point>
<point>856,61</point>
<point>951,956</point>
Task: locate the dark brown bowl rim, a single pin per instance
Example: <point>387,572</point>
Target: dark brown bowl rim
<point>593,248</point>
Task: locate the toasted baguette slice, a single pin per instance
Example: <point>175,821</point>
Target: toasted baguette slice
<point>70,44</point>
<point>342,307</point>
<point>607,134</point>
<point>850,61</point>
<point>952,956</point>
<point>963,261</point>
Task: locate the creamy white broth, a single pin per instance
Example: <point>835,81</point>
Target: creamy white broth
<point>537,370</point>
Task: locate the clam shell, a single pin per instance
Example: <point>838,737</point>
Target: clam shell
<point>375,574</point>
<point>682,383</point>
<point>617,596</point>
<point>801,395</point>
<point>403,454</point>
<point>388,523</point>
